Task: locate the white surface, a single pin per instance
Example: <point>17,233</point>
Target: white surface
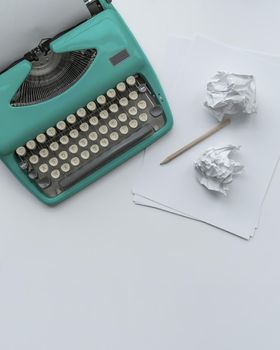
<point>100,273</point>
<point>175,185</point>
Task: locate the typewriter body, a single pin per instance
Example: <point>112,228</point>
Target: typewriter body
<point>78,106</point>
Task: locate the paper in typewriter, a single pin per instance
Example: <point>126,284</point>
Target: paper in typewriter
<point>23,24</point>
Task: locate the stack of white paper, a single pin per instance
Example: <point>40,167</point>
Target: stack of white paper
<point>174,187</point>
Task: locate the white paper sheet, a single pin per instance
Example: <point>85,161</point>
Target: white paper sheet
<point>23,24</point>
<point>174,186</point>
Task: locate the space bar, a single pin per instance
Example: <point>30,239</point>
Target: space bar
<point>106,157</point>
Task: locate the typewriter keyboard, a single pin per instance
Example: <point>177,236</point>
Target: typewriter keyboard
<point>92,136</point>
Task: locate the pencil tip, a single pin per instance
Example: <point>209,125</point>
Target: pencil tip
<point>165,161</point>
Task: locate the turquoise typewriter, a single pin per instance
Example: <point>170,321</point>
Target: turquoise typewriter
<point>79,105</point>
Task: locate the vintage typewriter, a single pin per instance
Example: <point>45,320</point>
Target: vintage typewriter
<point>78,106</point>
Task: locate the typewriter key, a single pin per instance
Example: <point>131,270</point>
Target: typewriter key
<point>113,123</point>
<point>84,127</point>
<point>55,174</point>
<point>44,168</point>
<point>124,130</point>
<point>142,88</point>
<point>71,119</point>
<point>122,117</point>
<point>44,183</point>
<point>114,108</point>
<point>104,114</point>
<point>73,149</point>
<point>83,142</point>
<point>121,87</point>
<point>34,159</point>
<point>33,174</point>
<point>104,142</point>
<point>51,132</point>
<point>61,125</point>
<point>133,124</point>
<point>53,161</point>
<point>75,161</point>
<point>114,136</point>
<point>81,112</point>
<point>64,140</point>
<point>54,146</point>
<point>65,167</point>
<point>85,155</point>
<point>44,153</point>
<point>24,165</point>
<point>31,145</point>
<point>101,100</point>
<point>111,93</point>
<point>133,95</point>
<point>21,151</point>
<point>131,81</point>
<point>94,149</point>
<point>143,117</point>
<point>93,136</point>
<point>74,134</point>
<point>93,121</point>
<point>132,111</point>
<point>91,106</point>
<point>142,104</point>
<point>103,129</point>
<point>123,102</point>
<point>63,155</point>
<point>41,138</point>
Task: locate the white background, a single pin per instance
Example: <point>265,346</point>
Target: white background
<point>99,273</point>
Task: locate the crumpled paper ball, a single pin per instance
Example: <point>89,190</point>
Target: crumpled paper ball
<point>216,170</point>
<point>231,94</point>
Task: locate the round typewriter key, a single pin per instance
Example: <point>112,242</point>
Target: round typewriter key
<point>111,93</point>
<point>84,127</point>
<point>64,140</point>
<point>124,130</point>
<point>61,125</point>
<point>121,87</point>
<point>103,129</point>
<point>142,88</point>
<point>143,117</point>
<point>104,142</point>
<point>44,168</point>
<point>104,114</point>
<point>81,112</point>
<point>91,106</point>
<point>75,161</point>
<point>44,183</point>
<point>114,108</point>
<point>55,174</point>
<point>73,149</point>
<point>133,124</point>
<point>54,146</point>
<point>21,151</point>
<point>74,134</point>
<point>51,132</point>
<point>34,159</point>
<point>93,121</point>
<point>113,123</point>
<point>65,167</point>
<point>131,80</point>
<point>31,145</point>
<point>33,174</point>
<point>63,155</point>
<point>53,161</point>
<point>41,138</point>
<point>94,149</point>
<point>71,119</point>
<point>122,117</point>
<point>85,155</point>
<point>132,111</point>
<point>83,142</point>
<point>23,165</point>
<point>114,136</point>
<point>44,153</point>
<point>101,100</point>
<point>142,104</point>
<point>123,102</point>
<point>133,95</point>
<point>93,136</point>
